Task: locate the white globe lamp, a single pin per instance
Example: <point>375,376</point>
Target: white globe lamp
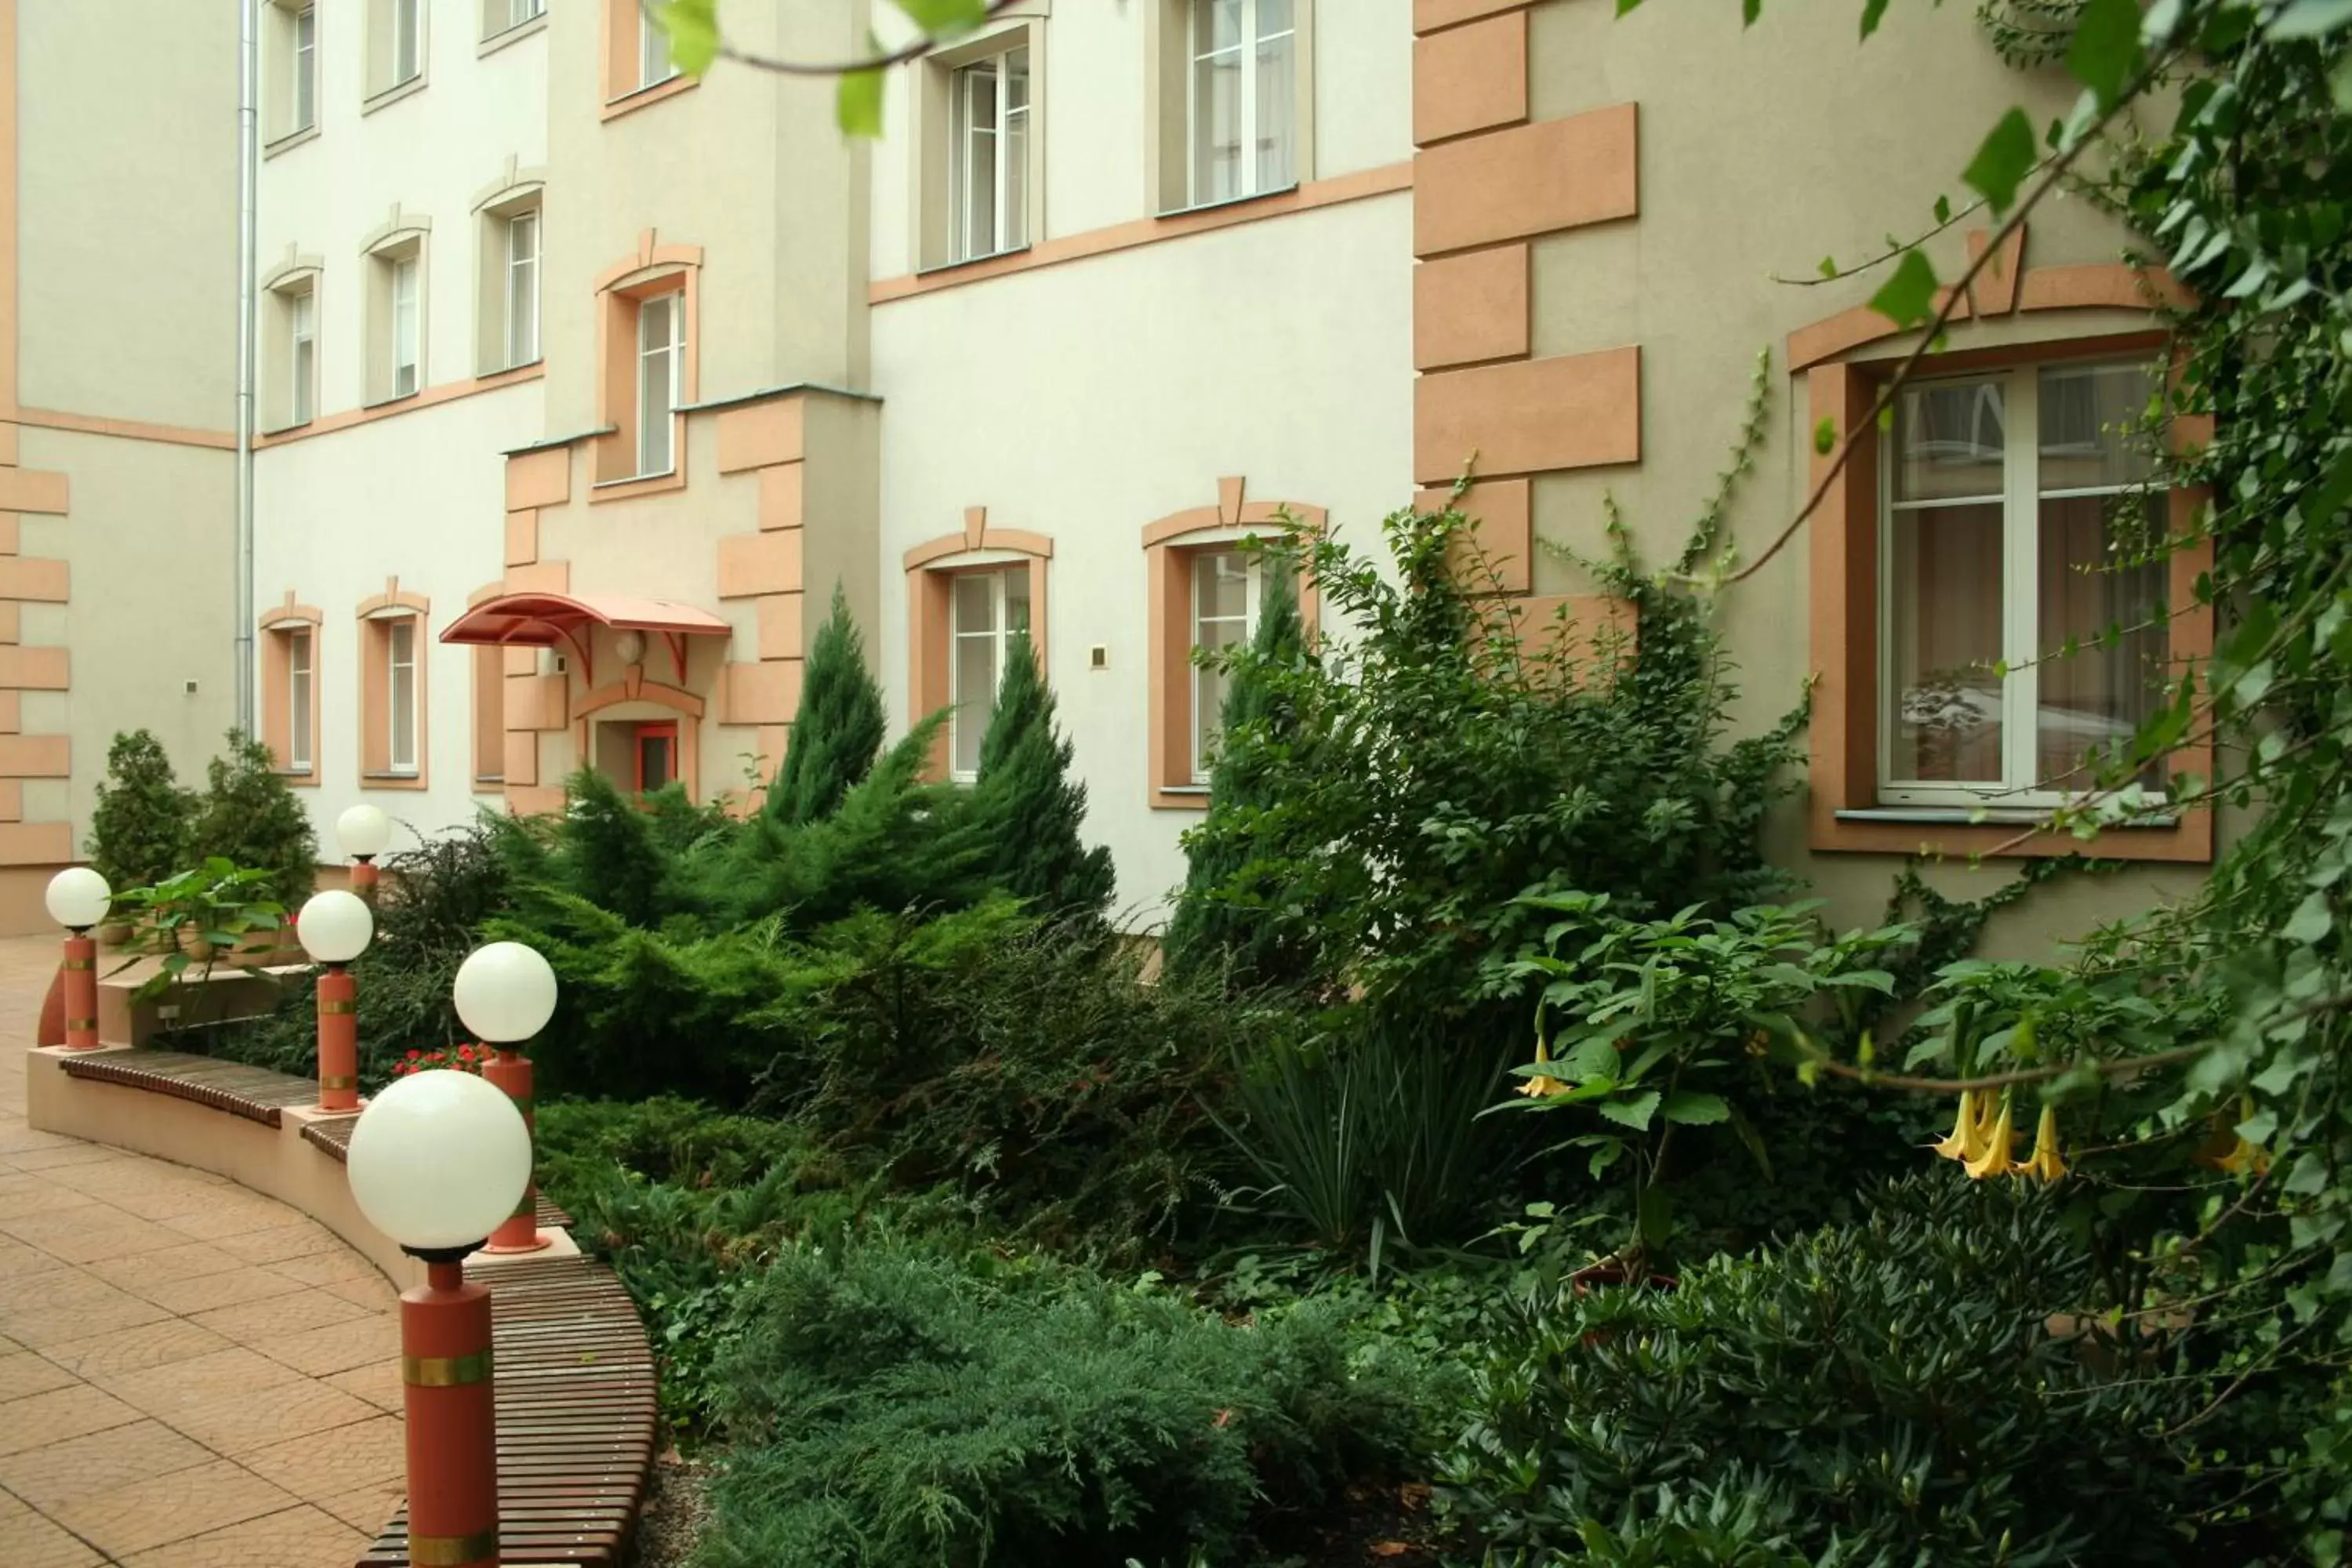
<point>438,1160</point>
<point>79,898</point>
<point>505,993</point>
<point>335,926</point>
<point>363,831</point>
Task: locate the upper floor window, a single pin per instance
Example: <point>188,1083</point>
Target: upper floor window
<point>2021,621</point>
<point>522,288</point>
<point>661,338</point>
<point>304,97</point>
<point>395,306</point>
<point>1242,96</point>
<point>302,369</point>
<point>395,44</point>
<point>289,70</point>
<point>989,168</point>
<point>1224,591</point>
<point>654,64</point>
<point>299,674</point>
<point>987,611</point>
<point>407,345</point>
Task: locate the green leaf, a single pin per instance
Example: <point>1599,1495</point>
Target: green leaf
<point>2311,920</point>
<point>693,29</point>
<point>1635,1113</point>
<point>858,103</point>
<point>2311,18</point>
<point>1943,209</point>
<point>2002,161</point>
<point>945,18</point>
<point>1873,13</point>
<point>1692,1109</point>
<point>2105,52</point>
<point>2258,1127</point>
<point>1908,299</point>
<point>1825,436</point>
<point>1748,11</point>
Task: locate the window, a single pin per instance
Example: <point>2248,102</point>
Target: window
<point>655,749</point>
<point>407,40</point>
<point>522,288</point>
<point>660,347</point>
<point>302,367</point>
<point>654,65</point>
<point>1242,88</point>
<point>399,644</point>
<point>987,610</point>
<point>522,11</point>
<point>2022,622</point>
<point>1225,613</point>
<point>304,96</point>
<point>393,676</point>
<point>301,744</point>
<point>406,338</point>
<point>990,161</point>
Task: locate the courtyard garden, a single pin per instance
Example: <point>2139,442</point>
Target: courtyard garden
<point>1497,1158</point>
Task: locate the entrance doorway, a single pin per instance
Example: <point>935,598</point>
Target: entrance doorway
<point>655,755</point>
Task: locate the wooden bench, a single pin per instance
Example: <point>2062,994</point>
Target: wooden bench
<point>577,1416</point>
<point>335,1138</point>
<point>255,1093</point>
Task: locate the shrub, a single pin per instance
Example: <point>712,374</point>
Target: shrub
<point>837,730</point>
<point>143,828</point>
<point>251,818</point>
<point>893,1405</point>
<point>1885,1392</point>
<point>1029,806</point>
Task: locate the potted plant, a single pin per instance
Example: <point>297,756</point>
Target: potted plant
<point>201,914</point>
<point>139,833</point>
<point>251,819</point>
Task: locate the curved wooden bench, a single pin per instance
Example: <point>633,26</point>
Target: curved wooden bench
<point>335,1138</point>
<point>255,1093</point>
<point>577,1416</point>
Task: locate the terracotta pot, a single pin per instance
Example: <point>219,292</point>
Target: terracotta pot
<point>193,943</point>
<point>114,933</point>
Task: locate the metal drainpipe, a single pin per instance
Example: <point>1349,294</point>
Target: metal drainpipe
<point>248,152</point>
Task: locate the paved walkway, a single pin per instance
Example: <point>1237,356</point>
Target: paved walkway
<point>190,1375</point>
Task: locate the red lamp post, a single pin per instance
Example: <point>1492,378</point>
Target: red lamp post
<point>334,928</point>
<point>78,899</point>
<point>435,1159</point>
<point>505,993</point>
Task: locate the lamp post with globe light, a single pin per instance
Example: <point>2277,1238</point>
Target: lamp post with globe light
<point>334,928</point>
<point>505,993</point>
<point>436,1162</point>
<point>362,832</point>
<point>78,899</point>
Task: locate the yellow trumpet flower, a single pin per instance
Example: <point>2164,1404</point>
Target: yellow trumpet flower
<point>1965,1140</point>
<point>1993,1158</point>
<point>1542,1084</point>
<point>2046,1162</point>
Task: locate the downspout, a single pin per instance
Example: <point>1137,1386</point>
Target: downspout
<point>249,158</point>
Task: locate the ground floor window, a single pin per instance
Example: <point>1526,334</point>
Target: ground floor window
<point>986,609</point>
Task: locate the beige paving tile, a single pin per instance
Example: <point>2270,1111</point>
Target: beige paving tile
<point>16,1259</point>
<point>162,1508</point>
<point>283,1241</point>
<point>24,1373</point>
<point>49,1156</point>
<point>295,1537</point>
<point>61,1473</point>
<point>259,1323</point>
<point>379,1384</point>
<point>160,1343</point>
<point>11,1505</point>
<point>229,1288</point>
<point>227,1218</point>
<point>365,1460</point>
<point>333,1267</point>
<point>20,1139</point>
<point>60,1413</point>
<point>38,1194</point>
<point>339,1347</point>
<point>50,1326</point>
<point>29,1541</point>
<point>238,1424</point>
<point>52,1287</point>
<point>371,1290</point>
<point>167,1391</point>
<point>189,1260</point>
<point>85,1235</point>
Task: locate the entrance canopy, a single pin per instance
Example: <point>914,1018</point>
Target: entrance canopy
<point>552,620</point>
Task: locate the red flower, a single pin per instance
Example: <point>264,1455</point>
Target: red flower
<point>413,1055</point>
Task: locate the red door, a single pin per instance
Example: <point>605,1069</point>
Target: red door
<point>656,755</point>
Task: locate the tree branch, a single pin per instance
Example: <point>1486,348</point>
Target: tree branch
<point>900,55</point>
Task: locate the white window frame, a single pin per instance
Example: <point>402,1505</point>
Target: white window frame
<point>400,626</point>
<point>408,40</point>
<point>672,309</point>
<point>969,166</point>
<point>1196,55</point>
<point>305,71</point>
<point>302,367</point>
<point>407,361</point>
<point>655,65</point>
<point>301,673</point>
<point>521,279</point>
<point>1201,761</point>
<point>522,11</point>
<point>2020,567</point>
<point>1000,632</point>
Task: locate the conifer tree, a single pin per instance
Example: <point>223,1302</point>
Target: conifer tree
<point>838,730</point>
<point>609,857</point>
<point>143,829</point>
<point>1221,917</point>
<point>1030,806</point>
<point>252,818</point>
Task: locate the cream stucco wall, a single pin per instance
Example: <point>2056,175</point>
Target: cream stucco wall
<point>1085,401</point>
<point>1762,150</point>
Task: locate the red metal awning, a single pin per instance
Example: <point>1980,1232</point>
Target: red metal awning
<point>551,620</point>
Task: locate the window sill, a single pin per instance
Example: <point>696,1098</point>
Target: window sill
<point>1180,797</point>
<point>961,262</point>
<point>1996,817</point>
<point>513,34</point>
<point>396,397</point>
<point>1190,208</point>
<point>291,140</point>
<point>393,94</point>
<point>636,484</point>
<point>490,784</point>
<point>643,97</point>
<point>282,429</point>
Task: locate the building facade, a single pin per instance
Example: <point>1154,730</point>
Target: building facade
<point>584,385</point>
